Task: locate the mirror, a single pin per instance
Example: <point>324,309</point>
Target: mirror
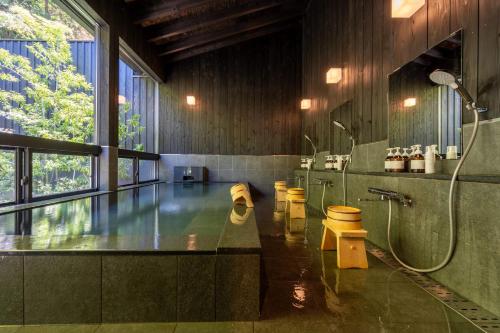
<point>421,112</point>
<point>340,144</point>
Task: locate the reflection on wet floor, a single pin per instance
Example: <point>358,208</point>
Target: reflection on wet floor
<point>306,290</point>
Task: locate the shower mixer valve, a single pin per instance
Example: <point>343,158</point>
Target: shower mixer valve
<point>388,195</point>
<point>326,182</point>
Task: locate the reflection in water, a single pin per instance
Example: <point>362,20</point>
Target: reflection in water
<point>299,295</point>
<point>149,217</point>
<point>191,242</point>
<point>240,214</point>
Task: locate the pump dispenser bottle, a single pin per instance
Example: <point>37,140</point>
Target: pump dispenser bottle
<point>398,163</point>
<point>436,152</point>
<point>417,162</point>
<point>430,160</point>
<point>388,160</point>
<point>406,159</point>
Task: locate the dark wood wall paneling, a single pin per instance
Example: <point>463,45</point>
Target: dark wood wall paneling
<point>246,100</point>
<point>362,38</point>
<point>117,16</point>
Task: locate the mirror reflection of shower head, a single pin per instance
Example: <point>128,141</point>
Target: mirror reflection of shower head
<point>312,144</point>
<point>448,79</point>
<point>342,127</point>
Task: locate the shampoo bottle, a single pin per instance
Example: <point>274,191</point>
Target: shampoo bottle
<point>388,160</point>
<point>417,162</point>
<point>398,163</point>
<point>430,160</point>
<point>436,152</point>
<point>406,159</point>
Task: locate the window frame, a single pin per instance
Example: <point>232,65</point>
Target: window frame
<point>136,156</point>
<point>25,146</point>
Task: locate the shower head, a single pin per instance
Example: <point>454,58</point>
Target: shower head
<point>312,144</point>
<point>342,127</point>
<point>443,78</point>
<point>448,79</point>
<point>339,124</point>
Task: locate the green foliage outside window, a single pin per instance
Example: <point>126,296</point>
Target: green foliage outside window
<point>57,101</point>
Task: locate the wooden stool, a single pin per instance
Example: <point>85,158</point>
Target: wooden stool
<point>295,203</point>
<point>241,195</point>
<point>343,232</point>
<point>280,191</point>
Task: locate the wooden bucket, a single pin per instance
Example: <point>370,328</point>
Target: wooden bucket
<point>344,213</point>
<point>280,185</point>
<point>295,193</point>
<point>237,188</point>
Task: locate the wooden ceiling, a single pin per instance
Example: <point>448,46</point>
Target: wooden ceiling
<point>185,28</point>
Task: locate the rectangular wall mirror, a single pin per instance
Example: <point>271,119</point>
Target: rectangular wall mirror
<point>421,112</point>
<point>340,144</point>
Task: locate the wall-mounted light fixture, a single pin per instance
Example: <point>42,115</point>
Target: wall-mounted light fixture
<point>121,100</point>
<point>191,100</point>
<point>405,8</point>
<point>334,75</point>
<point>410,102</point>
<point>305,104</point>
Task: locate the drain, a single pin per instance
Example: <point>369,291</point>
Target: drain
<point>483,319</point>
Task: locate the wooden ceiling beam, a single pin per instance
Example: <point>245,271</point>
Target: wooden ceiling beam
<point>183,26</point>
<point>159,13</point>
<point>237,29</point>
<point>230,41</point>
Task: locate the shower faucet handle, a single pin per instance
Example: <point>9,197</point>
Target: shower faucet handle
<point>381,198</point>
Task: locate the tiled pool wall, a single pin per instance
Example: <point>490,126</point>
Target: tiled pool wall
<point>423,229</point>
<point>259,171</point>
<point>43,289</point>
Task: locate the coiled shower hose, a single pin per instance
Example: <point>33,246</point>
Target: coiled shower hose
<point>453,240</point>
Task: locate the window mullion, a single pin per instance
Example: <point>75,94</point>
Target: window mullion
<point>27,176</point>
<point>136,170</point>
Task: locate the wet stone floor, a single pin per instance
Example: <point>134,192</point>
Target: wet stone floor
<point>304,291</point>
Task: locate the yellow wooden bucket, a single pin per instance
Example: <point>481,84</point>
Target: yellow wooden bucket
<point>295,193</point>
<point>344,225</point>
<point>280,185</point>
<point>237,188</point>
<point>344,213</point>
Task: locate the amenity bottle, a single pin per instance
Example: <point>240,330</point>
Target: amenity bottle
<point>388,160</point>
<point>417,162</point>
<point>398,162</point>
<point>430,160</point>
<point>406,159</point>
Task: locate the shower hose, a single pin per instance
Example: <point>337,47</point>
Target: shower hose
<point>453,241</point>
<point>344,185</point>
<point>323,199</point>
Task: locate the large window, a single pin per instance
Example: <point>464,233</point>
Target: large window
<point>47,71</point>
<point>57,173</point>
<point>137,106</point>
<point>137,121</point>
<point>47,100</point>
<point>7,176</point>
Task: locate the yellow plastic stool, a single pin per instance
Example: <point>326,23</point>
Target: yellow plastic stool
<point>241,195</point>
<point>343,231</point>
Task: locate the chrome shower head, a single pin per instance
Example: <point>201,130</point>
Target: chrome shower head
<point>443,78</point>
<point>448,79</point>
<point>339,124</point>
<point>342,127</point>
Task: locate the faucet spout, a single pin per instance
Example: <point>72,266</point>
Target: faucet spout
<point>392,195</point>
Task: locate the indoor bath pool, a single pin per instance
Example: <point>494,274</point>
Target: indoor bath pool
<point>175,244</point>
